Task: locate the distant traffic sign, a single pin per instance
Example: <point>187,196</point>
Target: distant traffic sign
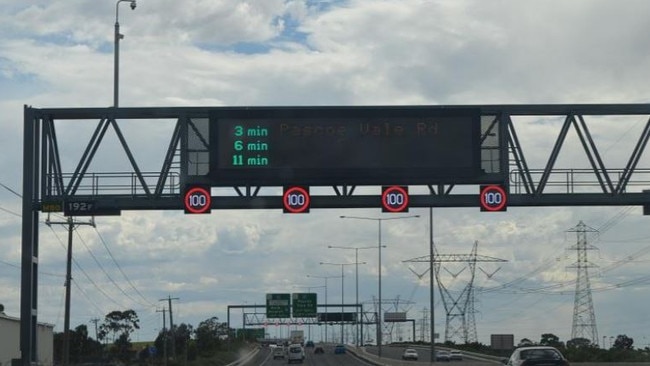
<point>87,208</point>
<point>278,306</point>
<point>197,200</point>
<point>395,199</point>
<point>493,198</point>
<point>304,305</point>
<point>296,199</point>
<point>336,317</point>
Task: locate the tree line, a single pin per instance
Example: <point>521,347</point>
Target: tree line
<point>575,350</point>
<point>113,341</point>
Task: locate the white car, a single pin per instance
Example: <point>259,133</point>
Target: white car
<point>535,355</point>
<point>455,355</point>
<point>295,353</point>
<point>410,354</point>
<point>278,352</point>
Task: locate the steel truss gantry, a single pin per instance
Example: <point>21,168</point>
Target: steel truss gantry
<point>47,185</point>
<point>256,318</point>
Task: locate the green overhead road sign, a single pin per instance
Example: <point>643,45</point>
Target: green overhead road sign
<point>278,306</point>
<point>304,305</point>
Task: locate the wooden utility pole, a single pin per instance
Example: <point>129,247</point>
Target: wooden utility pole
<point>164,311</point>
<point>68,281</point>
<point>171,324</point>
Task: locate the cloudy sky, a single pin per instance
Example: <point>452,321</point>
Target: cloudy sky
<point>303,52</point>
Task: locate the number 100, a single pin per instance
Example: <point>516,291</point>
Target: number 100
<point>492,198</point>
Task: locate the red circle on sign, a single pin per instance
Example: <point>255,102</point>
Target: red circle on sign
<point>200,206</point>
<point>297,207</point>
<point>398,206</point>
<point>494,206</point>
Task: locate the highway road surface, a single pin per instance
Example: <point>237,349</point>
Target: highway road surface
<point>390,356</point>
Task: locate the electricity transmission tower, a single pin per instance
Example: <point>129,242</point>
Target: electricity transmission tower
<point>390,326</point>
<point>424,330</point>
<point>584,318</point>
<point>460,323</point>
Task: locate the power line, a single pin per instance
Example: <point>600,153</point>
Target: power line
<point>101,238</point>
<point>90,301</point>
<point>106,273</point>
<point>86,274</point>
<point>11,190</point>
<point>10,212</point>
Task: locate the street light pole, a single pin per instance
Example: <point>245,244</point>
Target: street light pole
<point>379,245</point>
<point>359,341</point>
<point>116,60</point>
<point>342,291</point>
<point>325,278</point>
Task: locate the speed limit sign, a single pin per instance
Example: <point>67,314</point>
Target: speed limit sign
<point>296,199</point>
<point>197,200</point>
<point>395,199</point>
<point>493,198</point>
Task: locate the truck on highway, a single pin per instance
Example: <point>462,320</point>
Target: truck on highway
<point>297,337</point>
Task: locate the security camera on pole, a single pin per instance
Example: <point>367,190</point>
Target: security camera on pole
<point>118,36</point>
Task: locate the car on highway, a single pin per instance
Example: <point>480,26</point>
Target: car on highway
<point>339,349</point>
<point>536,355</point>
<point>278,352</point>
<point>319,350</point>
<point>295,353</point>
<point>410,354</point>
<point>455,355</point>
<point>309,344</point>
<point>443,356</point>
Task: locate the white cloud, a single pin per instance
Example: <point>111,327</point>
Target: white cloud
<point>359,52</point>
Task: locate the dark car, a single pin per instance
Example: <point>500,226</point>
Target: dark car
<point>443,356</point>
<point>319,350</point>
<point>339,349</point>
<point>309,344</point>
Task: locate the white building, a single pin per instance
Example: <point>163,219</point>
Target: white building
<point>10,341</point>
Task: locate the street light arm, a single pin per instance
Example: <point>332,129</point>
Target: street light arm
<point>323,277</point>
<point>296,286</point>
<point>342,264</point>
<point>117,5</point>
<point>378,218</point>
<point>356,248</point>
<point>379,246</point>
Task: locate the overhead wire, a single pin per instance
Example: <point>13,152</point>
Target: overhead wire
<point>101,238</point>
<point>86,274</point>
<point>10,212</point>
<point>15,193</point>
<point>110,278</point>
<point>149,303</point>
<point>10,190</point>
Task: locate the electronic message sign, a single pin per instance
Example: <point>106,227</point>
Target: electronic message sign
<point>336,317</point>
<point>339,145</point>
